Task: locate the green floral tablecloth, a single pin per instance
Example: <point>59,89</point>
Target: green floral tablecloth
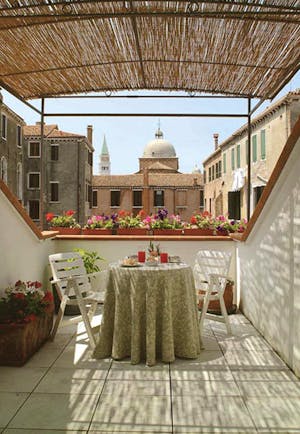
<point>149,313</point>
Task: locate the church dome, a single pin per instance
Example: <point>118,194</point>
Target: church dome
<point>196,169</point>
<point>159,147</point>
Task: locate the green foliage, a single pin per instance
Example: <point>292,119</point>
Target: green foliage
<point>89,260</point>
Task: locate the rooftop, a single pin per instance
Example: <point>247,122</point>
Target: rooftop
<point>62,388</point>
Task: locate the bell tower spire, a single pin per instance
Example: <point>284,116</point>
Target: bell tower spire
<point>104,159</point>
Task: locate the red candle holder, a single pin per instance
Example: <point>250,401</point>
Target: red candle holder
<point>163,258</point>
<point>141,256</point>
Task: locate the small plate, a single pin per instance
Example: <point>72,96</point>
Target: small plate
<point>131,265</point>
<point>151,264</point>
<point>175,259</point>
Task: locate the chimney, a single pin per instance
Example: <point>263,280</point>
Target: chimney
<point>89,133</point>
<point>216,139</point>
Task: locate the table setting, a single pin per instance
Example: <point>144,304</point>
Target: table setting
<point>150,310</point>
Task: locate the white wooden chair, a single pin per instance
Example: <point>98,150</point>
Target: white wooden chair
<point>211,273</point>
<point>74,288</point>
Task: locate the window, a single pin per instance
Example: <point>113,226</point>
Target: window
<point>204,176</point>
<point>54,191</point>
<point>3,170</point>
<point>218,169</point>
<point>137,198</point>
<point>232,159</point>
<point>238,156</point>
<point>257,193</point>
<point>234,205</point>
<point>115,198</point>
<point>209,174</point>
<point>247,151</point>
<point>3,126</point>
<point>95,199</point>
<point>181,198</point>
<point>34,149</point>
<point>19,135</point>
<point>34,181</point>
<point>90,195</point>
<point>212,173</point>
<point>224,162</point>
<point>54,152</point>
<point>263,144</point>
<point>201,200</point>
<point>254,148</point>
<point>158,198</point>
<point>34,209</point>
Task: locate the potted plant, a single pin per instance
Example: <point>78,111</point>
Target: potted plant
<point>128,224</point>
<point>162,224</point>
<point>98,225</point>
<point>26,318</point>
<point>65,224</point>
<point>226,226</point>
<point>201,224</point>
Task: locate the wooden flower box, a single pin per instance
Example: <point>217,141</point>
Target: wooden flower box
<point>199,232</point>
<point>97,231</point>
<point>66,231</point>
<point>132,231</point>
<point>214,305</point>
<point>20,341</point>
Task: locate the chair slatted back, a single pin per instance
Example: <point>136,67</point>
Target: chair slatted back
<point>211,262</point>
<point>66,265</point>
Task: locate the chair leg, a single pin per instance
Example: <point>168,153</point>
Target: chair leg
<point>202,317</point>
<point>225,315</point>
<point>59,317</point>
<point>87,323</point>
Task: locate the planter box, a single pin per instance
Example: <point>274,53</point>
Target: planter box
<point>167,231</point>
<point>66,231</point>
<point>132,231</point>
<point>19,342</point>
<point>214,305</point>
<point>199,232</point>
<point>96,231</point>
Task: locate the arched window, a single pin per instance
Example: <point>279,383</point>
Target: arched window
<point>20,181</point>
<point>3,169</point>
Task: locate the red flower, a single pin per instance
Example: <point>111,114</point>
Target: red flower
<point>37,284</point>
<point>29,318</point>
<point>49,216</point>
<point>70,212</point>
<point>19,296</point>
<point>48,297</point>
<point>193,220</point>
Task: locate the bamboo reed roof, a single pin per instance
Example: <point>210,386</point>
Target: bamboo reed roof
<point>235,47</point>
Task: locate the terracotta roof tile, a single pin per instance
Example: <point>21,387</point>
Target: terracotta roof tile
<point>157,179</point>
<point>51,131</point>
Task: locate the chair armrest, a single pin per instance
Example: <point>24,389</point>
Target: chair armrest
<point>78,276</point>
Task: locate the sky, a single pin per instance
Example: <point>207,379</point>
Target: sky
<point>127,137</point>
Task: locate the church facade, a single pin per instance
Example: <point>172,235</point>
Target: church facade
<point>157,184</point>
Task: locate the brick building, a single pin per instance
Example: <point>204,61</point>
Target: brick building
<point>158,183</point>
<point>11,149</point>
<point>226,168</point>
<point>66,171</point>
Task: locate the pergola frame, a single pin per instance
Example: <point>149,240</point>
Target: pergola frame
<point>222,48</point>
<point>247,115</point>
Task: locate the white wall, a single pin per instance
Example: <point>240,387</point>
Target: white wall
<point>270,266</point>
<point>22,255</point>
<point>114,250</point>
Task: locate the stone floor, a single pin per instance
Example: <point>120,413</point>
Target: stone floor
<point>238,385</point>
